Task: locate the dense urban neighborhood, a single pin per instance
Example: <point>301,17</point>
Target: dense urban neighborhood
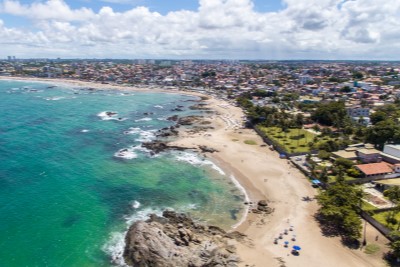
<point>337,121</point>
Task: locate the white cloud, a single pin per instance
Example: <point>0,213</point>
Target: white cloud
<point>218,29</point>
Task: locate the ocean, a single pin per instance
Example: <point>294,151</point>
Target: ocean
<point>72,178</point>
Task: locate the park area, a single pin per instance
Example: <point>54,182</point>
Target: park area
<point>291,140</point>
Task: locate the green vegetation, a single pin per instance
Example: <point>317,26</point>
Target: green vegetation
<point>291,140</point>
<point>387,218</point>
<point>333,178</point>
<point>367,207</point>
<point>338,213</point>
<point>331,114</point>
<point>250,142</point>
<point>395,245</point>
<point>372,249</point>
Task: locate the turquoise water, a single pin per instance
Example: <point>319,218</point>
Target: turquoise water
<point>65,196</point>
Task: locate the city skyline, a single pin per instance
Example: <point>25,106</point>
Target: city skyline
<point>205,29</point>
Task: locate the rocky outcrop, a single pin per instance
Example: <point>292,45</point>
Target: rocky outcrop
<point>189,120</point>
<point>206,149</point>
<point>167,132</point>
<point>175,240</point>
<point>200,106</point>
<point>159,146</point>
<point>173,118</point>
<point>262,207</point>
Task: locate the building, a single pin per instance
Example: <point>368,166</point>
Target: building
<point>375,169</point>
<point>357,111</point>
<point>391,154</point>
<point>369,155</point>
<point>393,150</point>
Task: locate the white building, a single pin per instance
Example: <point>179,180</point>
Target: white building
<point>357,111</point>
<point>391,154</point>
<point>303,79</point>
<point>393,150</point>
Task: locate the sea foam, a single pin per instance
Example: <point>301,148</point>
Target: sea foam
<point>105,116</point>
<point>197,161</point>
<point>144,119</point>
<point>130,152</point>
<point>54,98</point>
<point>144,136</point>
<point>246,197</point>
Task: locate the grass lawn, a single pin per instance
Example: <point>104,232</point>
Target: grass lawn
<point>293,141</point>
<point>250,142</point>
<point>368,207</point>
<point>332,178</point>
<point>372,249</point>
<point>381,217</point>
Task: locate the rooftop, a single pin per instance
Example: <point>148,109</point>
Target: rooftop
<point>345,154</point>
<point>368,151</point>
<point>375,168</point>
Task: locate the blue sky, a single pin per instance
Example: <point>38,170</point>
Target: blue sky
<point>164,6</point>
<point>161,6</point>
<point>211,29</point>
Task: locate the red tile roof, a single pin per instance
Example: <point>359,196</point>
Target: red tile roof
<point>375,168</point>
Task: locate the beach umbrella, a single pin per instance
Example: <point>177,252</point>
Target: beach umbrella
<point>297,248</point>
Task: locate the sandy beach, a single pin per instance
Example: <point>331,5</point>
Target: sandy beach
<point>264,176</point>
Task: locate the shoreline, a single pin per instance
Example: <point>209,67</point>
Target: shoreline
<point>263,176</point>
<point>102,86</point>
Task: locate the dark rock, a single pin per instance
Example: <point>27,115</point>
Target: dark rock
<point>189,120</point>
<point>200,106</point>
<point>173,118</point>
<point>176,240</point>
<point>206,149</point>
<point>111,113</point>
<point>262,203</point>
<point>160,146</point>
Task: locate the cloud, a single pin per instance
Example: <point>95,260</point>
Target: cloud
<point>52,9</point>
<point>333,29</point>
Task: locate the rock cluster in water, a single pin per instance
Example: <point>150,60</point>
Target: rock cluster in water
<point>176,240</point>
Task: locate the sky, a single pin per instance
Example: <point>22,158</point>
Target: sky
<point>203,29</point>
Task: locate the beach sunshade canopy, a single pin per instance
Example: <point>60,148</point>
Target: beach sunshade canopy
<point>296,248</point>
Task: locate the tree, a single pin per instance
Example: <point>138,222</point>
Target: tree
<point>382,132</point>
<point>331,114</point>
<point>345,163</point>
<point>322,154</point>
<point>340,203</point>
<point>345,89</point>
<point>358,75</point>
<point>395,245</point>
<point>378,116</point>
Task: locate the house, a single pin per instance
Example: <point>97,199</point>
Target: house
<point>349,154</point>
<point>375,169</point>
<point>359,114</point>
<point>357,111</point>
<point>369,155</point>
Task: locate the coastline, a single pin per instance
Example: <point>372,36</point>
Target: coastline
<point>263,176</point>
<point>99,86</point>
